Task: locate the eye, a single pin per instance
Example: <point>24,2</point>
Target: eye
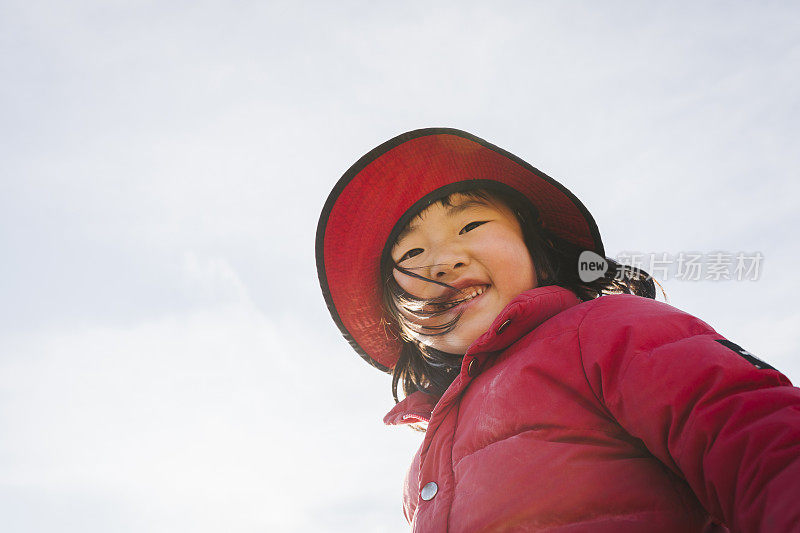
<point>471,226</point>
<point>409,254</point>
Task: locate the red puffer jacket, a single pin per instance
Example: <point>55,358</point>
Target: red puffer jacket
<point>614,415</point>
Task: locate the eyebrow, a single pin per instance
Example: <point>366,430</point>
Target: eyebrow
<point>472,203</point>
<point>452,211</point>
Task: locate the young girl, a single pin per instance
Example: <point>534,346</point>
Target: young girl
<point>551,403</point>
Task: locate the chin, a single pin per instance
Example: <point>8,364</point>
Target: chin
<point>458,340</point>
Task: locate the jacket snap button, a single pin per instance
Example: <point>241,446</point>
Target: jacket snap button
<point>472,368</point>
<point>503,326</point>
<point>429,491</point>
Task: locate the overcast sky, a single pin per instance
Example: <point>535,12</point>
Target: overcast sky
<point>166,359</point>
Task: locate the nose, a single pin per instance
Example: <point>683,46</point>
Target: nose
<point>448,261</point>
<point>441,270</point>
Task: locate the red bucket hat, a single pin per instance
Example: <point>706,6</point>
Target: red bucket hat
<point>385,189</point>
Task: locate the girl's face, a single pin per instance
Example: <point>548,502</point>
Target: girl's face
<point>473,245</point>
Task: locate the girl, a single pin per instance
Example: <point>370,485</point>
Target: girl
<point>552,403</point>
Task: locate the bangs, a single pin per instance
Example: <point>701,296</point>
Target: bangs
<point>476,197</point>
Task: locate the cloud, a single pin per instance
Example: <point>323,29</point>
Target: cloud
<point>213,279</point>
<point>214,420</point>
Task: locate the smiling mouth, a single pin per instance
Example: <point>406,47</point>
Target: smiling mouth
<point>473,292</point>
<point>457,300</point>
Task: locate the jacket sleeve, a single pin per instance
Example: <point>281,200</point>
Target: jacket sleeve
<point>728,427</point>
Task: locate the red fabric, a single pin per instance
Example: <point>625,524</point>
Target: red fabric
<point>618,414</point>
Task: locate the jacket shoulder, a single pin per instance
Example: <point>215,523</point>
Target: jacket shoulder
<point>628,310</point>
<point>635,322</point>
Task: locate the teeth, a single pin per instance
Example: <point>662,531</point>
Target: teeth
<point>476,292</point>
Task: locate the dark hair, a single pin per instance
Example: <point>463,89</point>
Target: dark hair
<point>426,369</point>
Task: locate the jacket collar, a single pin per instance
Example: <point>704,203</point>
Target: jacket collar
<point>525,313</point>
<point>416,407</point>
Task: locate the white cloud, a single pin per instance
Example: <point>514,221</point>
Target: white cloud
<point>214,279</point>
<point>216,420</point>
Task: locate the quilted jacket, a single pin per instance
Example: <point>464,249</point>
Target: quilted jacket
<point>619,414</point>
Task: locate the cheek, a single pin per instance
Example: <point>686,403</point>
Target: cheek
<point>404,281</point>
<point>416,287</point>
<point>513,268</point>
